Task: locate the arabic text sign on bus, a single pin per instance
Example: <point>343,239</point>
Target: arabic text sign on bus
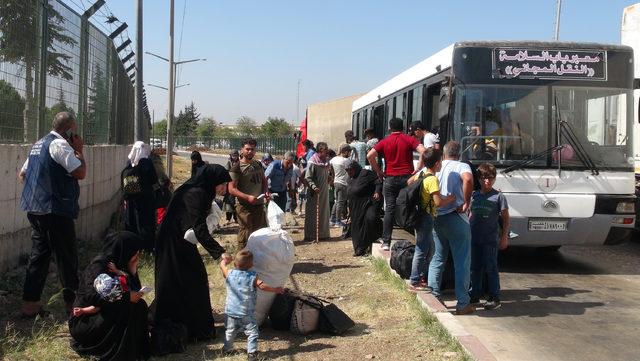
<point>550,64</point>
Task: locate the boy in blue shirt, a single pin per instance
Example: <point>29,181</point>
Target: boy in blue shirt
<point>240,305</point>
<point>487,207</point>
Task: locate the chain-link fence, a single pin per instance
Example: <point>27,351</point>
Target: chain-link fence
<point>276,145</point>
<point>53,59</point>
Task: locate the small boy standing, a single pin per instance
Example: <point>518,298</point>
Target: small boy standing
<point>430,200</point>
<point>240,305</point>
<point>488,205</point>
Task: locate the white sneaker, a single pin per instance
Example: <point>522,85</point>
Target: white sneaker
<point>385,247</point>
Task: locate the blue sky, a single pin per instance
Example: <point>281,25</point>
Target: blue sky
<point>257,50</point>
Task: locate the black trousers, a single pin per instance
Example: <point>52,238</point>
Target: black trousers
<point>390,189</point>
<point>51,235</point>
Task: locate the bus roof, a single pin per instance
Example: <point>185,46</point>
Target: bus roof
<point>422,70</point>
<point>442,60</point>
<point>541,44</point>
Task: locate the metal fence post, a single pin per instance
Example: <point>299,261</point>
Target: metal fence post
<point>41,128</point>
<point>83,74</point>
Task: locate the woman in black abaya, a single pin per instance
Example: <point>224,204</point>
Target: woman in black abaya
<point>107,328</point>
<point>182,288</point>
<point>363,194</point>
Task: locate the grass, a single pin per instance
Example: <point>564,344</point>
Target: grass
<point>48,339</point>
<point>426,319</point>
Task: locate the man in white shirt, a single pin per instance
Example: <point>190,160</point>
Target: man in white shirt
<point>452,231</point>
<point>50,198</point>
<point>340,185</point>
<point>418,130</point>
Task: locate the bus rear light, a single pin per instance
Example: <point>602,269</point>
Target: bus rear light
<point>625,207</point>
<point>623,220</point>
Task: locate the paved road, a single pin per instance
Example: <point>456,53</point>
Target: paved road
<point>580,303</point>
<point>207,157</point>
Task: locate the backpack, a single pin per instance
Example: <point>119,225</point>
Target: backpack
<point>401,258</point>
<point>131,182</point>
<point>407,212</point>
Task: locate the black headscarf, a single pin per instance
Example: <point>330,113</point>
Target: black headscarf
<point>120,247</point>
<point>351,164</point>
<point>206,177</point>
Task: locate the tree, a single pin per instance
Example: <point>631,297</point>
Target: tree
<point>12,106</point>
<point>98,106</point>
<point>206,128</point>
<point>159,129</point>
<point>246,126</point>
<point>276,127</point>
<point>19,39</point>
<point>187,121</point>
<point>225,132</point>
<point>60,106</point>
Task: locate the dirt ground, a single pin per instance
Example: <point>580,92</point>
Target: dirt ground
<point>389,323</point>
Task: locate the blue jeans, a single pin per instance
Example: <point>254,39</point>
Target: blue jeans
<point>452,232</point>
<point>484,260</point>
<point>424,237</point>
<point>235,325</point>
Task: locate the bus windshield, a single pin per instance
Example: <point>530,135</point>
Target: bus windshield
<point>505,125</point>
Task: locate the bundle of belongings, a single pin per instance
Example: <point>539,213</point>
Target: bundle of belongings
<point>303,314</point>
<point>273,258</point>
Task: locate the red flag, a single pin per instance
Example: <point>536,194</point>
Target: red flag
<point>303,136</point>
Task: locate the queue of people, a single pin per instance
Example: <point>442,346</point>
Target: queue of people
<point>108,315</point>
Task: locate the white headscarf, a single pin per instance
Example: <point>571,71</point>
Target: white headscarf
<point>138,151</point>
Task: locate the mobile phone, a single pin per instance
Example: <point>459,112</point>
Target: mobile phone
<point>69,134</point>
<point>260,196</point>
<point>146,289</point>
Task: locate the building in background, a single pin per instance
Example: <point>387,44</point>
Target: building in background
<point>327,121</point>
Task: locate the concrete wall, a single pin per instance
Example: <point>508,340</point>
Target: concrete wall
<point>99,198</point>
<point>327,121</point>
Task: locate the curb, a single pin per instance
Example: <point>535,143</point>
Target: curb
<point>470,343</point>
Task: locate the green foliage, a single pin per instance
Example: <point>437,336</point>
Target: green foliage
<point>187,121</point>
<point>59,106</point>
<point>11,108</point>
<point>246,126</point>
<point>225,132</point>
<point>276,127</point>
<point>159,129</point>
<point>19,26</point>
<point>206,128</point>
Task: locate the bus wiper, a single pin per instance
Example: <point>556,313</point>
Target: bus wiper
<point>563,127</point>
<point>536,156</point>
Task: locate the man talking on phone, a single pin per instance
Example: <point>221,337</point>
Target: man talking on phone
<point>50,198</point>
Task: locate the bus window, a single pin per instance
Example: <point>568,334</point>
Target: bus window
<point>398,102</point>
<point>378,121</point>
<point>416,104</point>
<point>389,114</point>
<point>409,106</point>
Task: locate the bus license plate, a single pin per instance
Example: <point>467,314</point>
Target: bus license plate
<point>547,226</point>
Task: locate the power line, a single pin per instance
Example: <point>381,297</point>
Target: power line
<point>184,11</point>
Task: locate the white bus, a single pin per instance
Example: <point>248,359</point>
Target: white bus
<point>555,118</point>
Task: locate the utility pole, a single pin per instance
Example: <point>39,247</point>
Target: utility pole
<point>298,103</point>
<point>558,8</point>
<point>172,91</point>
<point>138,130</point>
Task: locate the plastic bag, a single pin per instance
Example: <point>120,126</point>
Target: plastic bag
<point>213,219</point>
<point>273,259</point>
<point>275,216</point>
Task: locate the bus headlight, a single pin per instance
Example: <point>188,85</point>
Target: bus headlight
<point>625,207</point>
